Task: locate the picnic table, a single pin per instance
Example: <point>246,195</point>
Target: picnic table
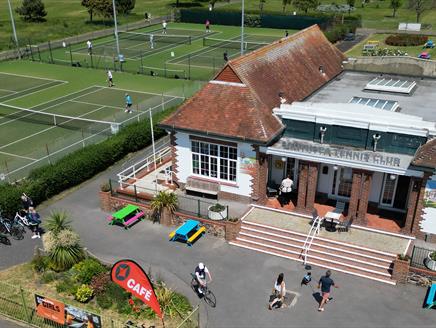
<point>187,232</point>
<point>126,216</point>
<point>431,299</point>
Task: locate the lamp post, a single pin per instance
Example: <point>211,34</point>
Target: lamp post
<point>242,28</point>
<point>116,29</point>
<point>13,28</point>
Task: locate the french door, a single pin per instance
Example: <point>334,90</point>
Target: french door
<point>342,182</point>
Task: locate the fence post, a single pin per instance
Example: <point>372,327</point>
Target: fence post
<point>110,186</point>
<point>136,194</point>
<point>71,54</point>
<point>163,102</point>
<point>198,207</point>
<point>39,53</point>
<point>51,54</point>
<point>31,51</point>
<point>24,305</point>
<point>141,70</point>
<point>189,67</point>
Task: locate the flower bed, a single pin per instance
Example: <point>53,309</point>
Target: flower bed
<point>405,40</point>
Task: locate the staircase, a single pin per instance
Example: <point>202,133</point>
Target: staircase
<point>326,253</point>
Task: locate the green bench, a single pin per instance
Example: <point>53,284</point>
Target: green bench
<point>126,216</point>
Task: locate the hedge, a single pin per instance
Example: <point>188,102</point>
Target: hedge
<point>79,166</point>
<point>406,40</point>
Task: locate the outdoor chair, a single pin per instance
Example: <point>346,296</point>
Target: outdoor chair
<point>271,189</point>
<point>344,226</point>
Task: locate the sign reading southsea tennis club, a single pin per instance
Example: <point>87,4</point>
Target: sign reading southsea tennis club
<point>130,276</point>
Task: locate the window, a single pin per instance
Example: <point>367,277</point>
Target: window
<point>390,85</point>
<point>388,105</point>
<point>389,187</point>
<point>214,161</point>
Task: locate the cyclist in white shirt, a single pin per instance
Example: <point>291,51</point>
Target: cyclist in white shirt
<point>200,273</point>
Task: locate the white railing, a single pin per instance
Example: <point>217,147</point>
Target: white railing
<point>314,230</point>
<point>145,164</point>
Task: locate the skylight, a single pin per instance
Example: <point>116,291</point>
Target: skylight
<point>389,105</point>
<point>390,85</point>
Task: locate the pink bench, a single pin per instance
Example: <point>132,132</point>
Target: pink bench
<point>133,219</point>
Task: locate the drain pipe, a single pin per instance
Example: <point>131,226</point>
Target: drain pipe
<point>376,137</point>
<point>322,131</point>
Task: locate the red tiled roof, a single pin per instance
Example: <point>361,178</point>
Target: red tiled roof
<point>227,110</point>
<point>426,155</point>
<point>290,65</point>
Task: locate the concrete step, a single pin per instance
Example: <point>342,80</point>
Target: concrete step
<point>295,255</point>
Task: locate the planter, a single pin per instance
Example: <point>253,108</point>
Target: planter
<point>217,212</point>
<point>429,263</point>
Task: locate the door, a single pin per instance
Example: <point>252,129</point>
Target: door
<point>402,192</point>
<point>342,182</point>
<point>389,188</point>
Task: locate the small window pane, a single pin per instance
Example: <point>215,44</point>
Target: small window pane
<point>232,171</point>
<point>232,153</point>
<point>195,164</point>
<point>214,150</point>
<point>224,152</point>
<point>204,147</point>
<point>195,147</point>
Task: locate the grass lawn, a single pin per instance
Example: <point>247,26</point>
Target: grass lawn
<point>77,92</point>
<point>376,14</point>
<point>412,51</point>
<point>66,18</point>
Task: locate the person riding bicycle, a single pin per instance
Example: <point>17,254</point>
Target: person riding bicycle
<point>200,274</point>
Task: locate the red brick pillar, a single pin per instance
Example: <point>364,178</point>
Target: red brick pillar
<point>400,270</point>
<point>312,183</point>
<point>416,229</point>
<point>302,187</point>
<point>260,177</point>
<point>364,197</point>
<point>411,205</point>
<point>355,194</point>
<point>105,200</point>
<point>174,161</point>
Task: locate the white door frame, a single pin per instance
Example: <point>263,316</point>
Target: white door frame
<point>335,194</point>
<point>391,204</point>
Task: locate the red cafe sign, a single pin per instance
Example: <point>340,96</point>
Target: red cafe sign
<point>130,276</point>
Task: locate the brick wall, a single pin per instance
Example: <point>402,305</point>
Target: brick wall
<point>302,187</point>
<point>259,177</point>
<point>175,167</point>
<point>364,197</point>
<point>355,194</point>
<point>105,200</point>
<point>411,205</point>
<point>312,182</point>
<point>400,270</point>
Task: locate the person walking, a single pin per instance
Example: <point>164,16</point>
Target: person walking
<point>279,292</point>
<point>164,27</point>
<point>207,26</point>
<point>285,190</point>
<point>110,78</point>
<point>325,283</point>
<point>89,46</point>
<point>286,33</point>
<point>129,102</point>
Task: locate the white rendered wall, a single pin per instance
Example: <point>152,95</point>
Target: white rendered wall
<point>243,185</point>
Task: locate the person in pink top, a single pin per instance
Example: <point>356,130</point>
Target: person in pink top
<point>207,26</point>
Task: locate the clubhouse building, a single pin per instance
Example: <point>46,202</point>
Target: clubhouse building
<point>290,108</point>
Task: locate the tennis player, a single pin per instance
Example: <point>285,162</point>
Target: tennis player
<point>151,41</point>
<point>128,100</point>
<point>164,27</point>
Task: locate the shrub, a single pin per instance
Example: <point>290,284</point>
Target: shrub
<point>117,294</point>
<point>57,221</point>
<point>100,282</point>
<point>405,40</point>
<point>403,257</point>
<point>49,180</point>
<point>433,256</point>
<point>84,271</point>
<point>48,276</point>
<point>39,262</point>
<point>105,187</point>
<point>217,208</point>
<point>67,285</point>
<point>103,301</point>
<point>84,293</point>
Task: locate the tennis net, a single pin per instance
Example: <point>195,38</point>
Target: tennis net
<point>10,113</point>
<point>232,44</point>
<point>164,38</point>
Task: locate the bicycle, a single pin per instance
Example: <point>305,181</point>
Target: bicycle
<point>208,296</point>
<point>12,228</point>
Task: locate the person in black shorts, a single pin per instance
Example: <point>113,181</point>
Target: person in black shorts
<point>325,283</point>
<point>226,56</point>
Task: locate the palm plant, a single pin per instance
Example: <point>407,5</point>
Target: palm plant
<point>162,203</point>
<point>58,221</point>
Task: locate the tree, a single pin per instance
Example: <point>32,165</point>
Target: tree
<point>90,6</point>
<point>98,7</point>
<point>126,6</point>
<point>261,5</point>
<point>164,203</point>
<point>350,4</point>
<point>420,6</point>
<point>58,221</point>
<point>285,3</point>
<point>395,5</point>
<point>32,10</point>
<point>305,5</point>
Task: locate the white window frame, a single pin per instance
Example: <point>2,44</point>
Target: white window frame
<point>218,160</point>
<point>385,178</point>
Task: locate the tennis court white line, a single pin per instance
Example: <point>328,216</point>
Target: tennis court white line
<point>25,157</point>
<point>94,104</point>
<point>143,92</point>
<point>44,109</point>
<point>32,77</point>
<point>27,94</point>
<point>48,129</point>
<point>28,89</point>
<point>6,90</point>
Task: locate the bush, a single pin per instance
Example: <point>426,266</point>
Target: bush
<point>433,256</point>
<point>217,208</point>
<point>84,271</point>
<point>337,33</point>
<point>67,285</point>
<point>103,301</point>
<point>49,180</point>
<point>117,294</point>
<point>84,293</point>
<point>100,282</point>
<point>105,187</point>
<point>48,276</point>
<point>39,262</point>
<point>405,40</point>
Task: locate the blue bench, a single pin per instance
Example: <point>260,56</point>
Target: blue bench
<point>430,301</point>
<point>187,232</point>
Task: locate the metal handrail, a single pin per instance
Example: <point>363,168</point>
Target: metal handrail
<point>314,230</point>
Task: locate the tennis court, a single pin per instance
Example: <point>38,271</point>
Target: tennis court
<point>46,132</point>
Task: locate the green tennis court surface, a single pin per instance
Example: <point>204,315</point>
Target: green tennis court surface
<point>46,132</point>
<point>184,52</point>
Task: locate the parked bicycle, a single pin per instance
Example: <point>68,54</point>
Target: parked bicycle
<point>11,227</point>
<point>208,296</point>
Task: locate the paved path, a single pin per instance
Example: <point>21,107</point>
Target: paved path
<point>242,278</point>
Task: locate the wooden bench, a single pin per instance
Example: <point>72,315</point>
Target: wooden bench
<point>195,235</point>
<point>430,300</point>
